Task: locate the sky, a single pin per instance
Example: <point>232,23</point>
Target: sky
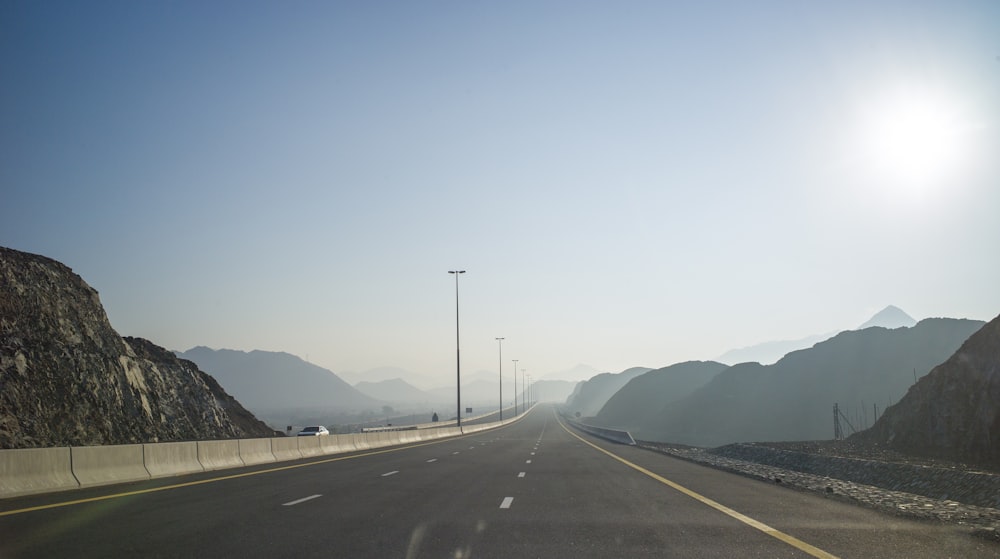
<point>625,183</point>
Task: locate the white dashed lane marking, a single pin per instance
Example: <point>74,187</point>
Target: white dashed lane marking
<point>506,502</point>
<point>302,500</point>
<point>392,473</point>
<point>432,460</point>
<point>520,474</point>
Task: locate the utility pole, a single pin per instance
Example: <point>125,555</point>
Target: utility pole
<point>838,433</point>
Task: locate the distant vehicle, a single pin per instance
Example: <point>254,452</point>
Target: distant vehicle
<point>314,431</point>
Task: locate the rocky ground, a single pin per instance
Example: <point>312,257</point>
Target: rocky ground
<point>852,449</point>
<point>836,457</point>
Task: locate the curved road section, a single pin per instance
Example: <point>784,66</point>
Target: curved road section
<point>535,488</point>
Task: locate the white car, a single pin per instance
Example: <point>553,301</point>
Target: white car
<point>314,431</point>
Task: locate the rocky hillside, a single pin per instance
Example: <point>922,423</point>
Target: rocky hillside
<point>645,395</point>
<point>590,396</point>
<point>67,378</point>
<point>954,412</point>
<point>792,400</point>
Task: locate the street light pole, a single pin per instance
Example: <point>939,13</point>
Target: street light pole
<point>458,356</point>
<point>515,386</point>
<point>524,388</point>
<point>500,343</point>
<point>528,387</point>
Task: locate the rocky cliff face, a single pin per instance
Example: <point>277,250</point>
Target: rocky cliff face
<point>954,411</point>
<point>67,378</point>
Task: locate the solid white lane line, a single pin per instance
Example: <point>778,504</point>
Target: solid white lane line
<point>432,460</point>
<point>520,474</point>
<point>392,473</point>
<point>302,500</point>
<point>506,502</point>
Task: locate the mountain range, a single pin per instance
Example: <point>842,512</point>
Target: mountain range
<point>590,396</point>
<point>578,373</point>
<point>378,374</point>
<point>767,353</point>
<point>793,398</point>
<point>645,395</point>
<point>268,381</point>
<point>394,391</point>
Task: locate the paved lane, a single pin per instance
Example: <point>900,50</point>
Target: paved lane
<point>531,489</point>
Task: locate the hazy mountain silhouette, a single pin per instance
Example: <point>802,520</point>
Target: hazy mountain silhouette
<point>793,399</point>
<point>589,397</point>
<point>394,391</point>
<point>889,317</point>
<point>954,411</point>
<point>767,353</point>
<point>645,395</point>
<point>550,390</point>
<point>478,393</point>
<point>266,381</point>
<point>576,374</point>
<point>379,374</point>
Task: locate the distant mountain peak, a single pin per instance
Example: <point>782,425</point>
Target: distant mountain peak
<point>889,317</point>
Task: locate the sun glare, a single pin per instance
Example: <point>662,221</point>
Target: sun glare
<point>914,140</point>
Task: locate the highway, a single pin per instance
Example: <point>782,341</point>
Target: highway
<point>534,488</point>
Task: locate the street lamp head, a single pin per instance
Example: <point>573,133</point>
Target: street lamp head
<point>456,271</point>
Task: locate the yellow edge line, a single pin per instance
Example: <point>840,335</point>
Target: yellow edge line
<point>233,476</point>
<point>774,533</point>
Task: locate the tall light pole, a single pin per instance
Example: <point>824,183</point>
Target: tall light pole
<point>458,356</point>
<point>524,388</point>
<point>515,386</point>
<point>527,384</point>
<point>500,343</point>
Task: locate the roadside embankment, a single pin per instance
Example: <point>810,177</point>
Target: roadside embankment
<point>943,494</point>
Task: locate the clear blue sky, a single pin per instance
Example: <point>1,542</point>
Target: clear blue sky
<point>627,183</point>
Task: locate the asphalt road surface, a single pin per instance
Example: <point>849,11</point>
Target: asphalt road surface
<point>535,488</point>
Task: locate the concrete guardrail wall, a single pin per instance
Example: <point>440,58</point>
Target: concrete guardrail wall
<point>613,435</point>
<point>41,470</point>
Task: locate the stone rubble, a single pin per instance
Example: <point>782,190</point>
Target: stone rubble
<point>984,521</point>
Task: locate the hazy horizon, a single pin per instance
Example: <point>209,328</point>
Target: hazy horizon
<point>635,184</point>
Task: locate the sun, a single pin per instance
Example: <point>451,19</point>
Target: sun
<point>913,139</point>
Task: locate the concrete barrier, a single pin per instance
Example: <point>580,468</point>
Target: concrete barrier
<point>256,451</point>
<point>411,436</point>
<point>336,444</point>
<point>36,470</point>
<point>613,435</point>
<point>349,442</point>
<point>217,455</point>
<point>310,446</point>
<point>361,441</point>
<point>285,448</point>
<point>30,471</point>
<point>102,465</point>
<point>374,440</point>
<point>171,459</point>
